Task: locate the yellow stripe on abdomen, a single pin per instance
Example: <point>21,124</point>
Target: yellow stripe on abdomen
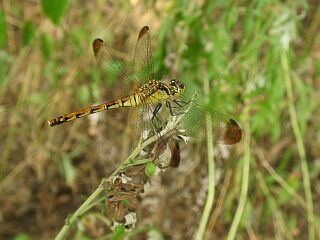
<point>129,101</point>
<point>113,105</point>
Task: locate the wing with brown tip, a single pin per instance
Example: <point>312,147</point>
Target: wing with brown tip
<point>225,129</point>
<point>142,60</point>
<point>112,67</point>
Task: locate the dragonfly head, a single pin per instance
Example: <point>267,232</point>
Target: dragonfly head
<point>177,87</point>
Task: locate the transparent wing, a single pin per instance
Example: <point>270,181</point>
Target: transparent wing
<point>142,59</point>
<point>146,119</point>
<point>141,119</point>
<point>225,129</point>
<point>112,67</point>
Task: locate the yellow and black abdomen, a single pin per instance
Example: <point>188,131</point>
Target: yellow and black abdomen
<point>129,101</point>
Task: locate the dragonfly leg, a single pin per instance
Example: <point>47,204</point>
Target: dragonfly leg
<point>155,119</point>
<point>171,108</point>
<point>181,103</point>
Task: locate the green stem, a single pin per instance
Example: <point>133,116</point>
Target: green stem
<point>299,143</point>
<point>88,203</point>
<point>69,222</point>
<point>313,31</point>
<point>211,181</point>
<point>245,177</point>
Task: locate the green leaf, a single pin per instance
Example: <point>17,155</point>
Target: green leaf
<point>3,29</point>
<point>46,45</point>
<point>78,36</point>
<point>28,33</point>
<point>22,236</point>
<point>283,197</point>
<point>69,169</point>
<point>83,94</point>
<point>38,99</point>
<point>103,209</point>
<point>80,236</point>
<point>118,233</point>
<point>150,169</point>
<point>154,234</point>
<point>55,9</point>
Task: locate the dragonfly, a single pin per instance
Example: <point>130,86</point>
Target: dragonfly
<point>151,95</point>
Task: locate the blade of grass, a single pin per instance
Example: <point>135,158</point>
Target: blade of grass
<point>313,31</point>
<point>13,126</point>
<point>281,231</point>
<point>219,203</point>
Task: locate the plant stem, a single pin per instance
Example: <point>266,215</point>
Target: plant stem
<point>313,31</point>
<point>299,142</point>
<point>86,205</point>
<point>245,176</point>
<point>211,183</point>
<point>66,228</point>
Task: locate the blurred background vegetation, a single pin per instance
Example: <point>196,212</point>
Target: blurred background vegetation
<point>262,60</point>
